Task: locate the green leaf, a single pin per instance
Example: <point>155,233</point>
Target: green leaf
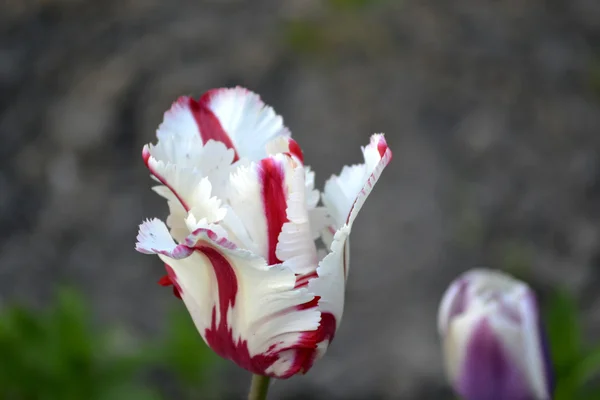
<point>56,355</point>
<point>589,394</point>
<point>129,391</point>
<point>351,5</point>
<point>582,372</point>
<point>186,354</point>
<point>564,332</point>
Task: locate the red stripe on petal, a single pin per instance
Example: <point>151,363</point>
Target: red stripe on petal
<point>306,357</point>
<point>344,260</point>
<point>208,124</point>
<point>226,279</point>
<point>274,196</point>
<point>171,279</point>
<point>146,156</point>
<point>303,280</point>
<point>327,327</point>
<point>219,336</point>
<point>382,147</point>
<point>295,150</point>
<point>176,293</point>
<point>165,281</point>
<point>311,304</point>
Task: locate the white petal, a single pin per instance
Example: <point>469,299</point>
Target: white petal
<point>456,340</point>
<point>212,160</point>
<point>320,220</point>
<point>245,310</point>
<point>341,191</point>
<point>154,238</point>
<point>237,232</point>
<point>533,352</point>
<point>268,197</point>
<point>193,224</point>
<point>296,246</point>
<point>312,195</point>
<point>245,198</point>
<point>318,216</point>
<point>285,145</point>
<point>330,283</point>
<point>179,123</point>
<point>249,123</point>
<point>343,197</point>
<point>177,214</point>
<point>345,194</point>
<point>452,304</point>
<point>188,187</point>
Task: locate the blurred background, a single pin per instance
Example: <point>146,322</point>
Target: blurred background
<point>491,109</point>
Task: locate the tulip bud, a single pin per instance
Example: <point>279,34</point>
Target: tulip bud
<point>492,339</point>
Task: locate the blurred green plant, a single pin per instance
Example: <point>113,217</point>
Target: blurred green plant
<point>594,76</point>
<point>55,354</point>
<point>575,362</point>
<point>514,257</point>
<point>185,354</point>
<point>343,25</point>
<point>350,5</point>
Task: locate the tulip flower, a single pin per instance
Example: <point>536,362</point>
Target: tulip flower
<point>492,339</point>
<point>239,243</point>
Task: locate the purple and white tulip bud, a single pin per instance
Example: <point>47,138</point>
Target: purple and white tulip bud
<point>492,339</point>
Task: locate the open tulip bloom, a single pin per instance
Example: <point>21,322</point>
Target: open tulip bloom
<point>239,243</point>
<point>492,338</point>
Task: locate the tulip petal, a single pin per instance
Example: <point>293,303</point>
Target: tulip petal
<point>538,365</point>
<point>285,145</point>
<point>453,304</point>
<point>258,196</point>
<point>345,194</point>
<point>312,195</point>
<point>180,123</point>
<point>318,216</point>
<point>235,117</point>
<point>332,271</point>
<point>242,117</point>
<point>489,372</point>
<point>246,311</point>
<point>187,190</point>
<point>330,286</point>
<point>269,199</point>
<point>211,160</point>
<point>295,243</point>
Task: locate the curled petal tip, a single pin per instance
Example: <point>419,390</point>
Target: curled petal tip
<point>378,141</point>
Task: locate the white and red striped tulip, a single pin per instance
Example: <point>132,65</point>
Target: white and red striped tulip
<point>239,243</point>
<point>493,343</point>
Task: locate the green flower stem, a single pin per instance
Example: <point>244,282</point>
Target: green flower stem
<point>259,387</point>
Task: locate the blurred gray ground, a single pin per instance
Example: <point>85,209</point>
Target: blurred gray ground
<point>491,109</point>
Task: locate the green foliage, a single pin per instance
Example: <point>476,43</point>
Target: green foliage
<point>56,354</point>
<point>594,76</point>
<point>351,5</point>
<point>187,356</point>
<point>305,37</point>
<point>575,362</point>
<point>343,25</point>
